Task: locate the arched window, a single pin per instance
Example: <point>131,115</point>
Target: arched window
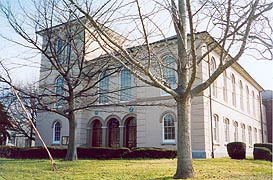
<point>241,96</point>
<point>57,132</point>
<point>215,126</point>
<point>247,100</point>
<point>253,103</point>
<point>59,91</point>
<point>168,129</point>
<point>225,97</point>
<point>236,131</point>
<point>169,73</point>
<point>131,132</point>
<point>113,133</point>
<point>233,90</point>
<point>250,135</point>
<point>96,133</point>
<point>125,85</point>
<point>244,133</point>
<point>103,88</point>
<point>214,84</point>
<point>255,135</point>
<point>226,127</point>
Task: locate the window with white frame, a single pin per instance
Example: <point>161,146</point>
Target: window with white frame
<point>59,84</point>
<point>125,85</point>
<point>258,104</point>
<point>226,128</point>
<point>168,128</point>
<point>233,90</point>
<point>244,133</point>
<point>169,73</point>
<point>241,96</point>
<point>253,103</point>
<point>57,132</point>
<point>103,88</point>
<point>215,126</point>
<point>236,131</point>
<point>250,135</point>
<point>247,100</point>
<point>225,97</point>
<point>63,51</point>
<point>255,135</point>
<point>214,84</point>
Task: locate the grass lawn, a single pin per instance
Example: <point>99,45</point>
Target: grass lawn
<point>219,168</point>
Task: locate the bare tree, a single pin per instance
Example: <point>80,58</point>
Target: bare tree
<point>5,125</point>
<point>70,72</point>
<point>239,25</point>
<point>20,123</point>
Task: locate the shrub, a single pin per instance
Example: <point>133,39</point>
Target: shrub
<point>236,150</point>
<point>86,153</point>
<point>101,153</point>
<point>262,153</point>
<point>266,145</point>
<point>146,152</point>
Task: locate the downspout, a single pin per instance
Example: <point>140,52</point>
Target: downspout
<point>210,111</point>
<point>261,115</point>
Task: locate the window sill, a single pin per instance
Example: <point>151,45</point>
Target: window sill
<point>56,144</point>
<point>216,144</point>
<point>168,143</point>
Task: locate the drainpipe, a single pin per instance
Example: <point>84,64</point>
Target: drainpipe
<point>261,115</point>
<point>210,110</point>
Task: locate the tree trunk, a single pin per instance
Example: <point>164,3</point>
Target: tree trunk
<point>184,153</point>
<point>71,154</point>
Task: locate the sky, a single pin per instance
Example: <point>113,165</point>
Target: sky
<point>24,63</point>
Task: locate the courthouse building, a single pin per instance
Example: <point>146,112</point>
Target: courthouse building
<point>229,110</point>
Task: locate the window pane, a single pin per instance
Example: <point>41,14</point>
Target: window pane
<point>59,50</point>
<point>169,71</point>
<point>169,129</point>
<point>103,88</point>
<point>57,132</point>
<point>125,85</point>
<point>59,91</point>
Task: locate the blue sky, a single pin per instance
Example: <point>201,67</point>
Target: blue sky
<point>25,63</point>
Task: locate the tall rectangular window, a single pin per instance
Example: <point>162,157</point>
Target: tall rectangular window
<point>244,133</point>
<point>169,73</point>
<point>241,95</point>
<point>125,85</point>
<point>103,88</point>
<point>226,127</point>
<point>216,129</point>
<point>59,51</point>
<point>233,90</point>
<point>236,131</point>
<point>59,84</point>
<point>250,135</point>
<point>225,97</point>
<point>253,103</point>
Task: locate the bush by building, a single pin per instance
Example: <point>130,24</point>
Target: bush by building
<point>262,151</point>
<point>236,150</point>
<point>86,153</point>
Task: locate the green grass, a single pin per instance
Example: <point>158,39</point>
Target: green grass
<point>219,168</point>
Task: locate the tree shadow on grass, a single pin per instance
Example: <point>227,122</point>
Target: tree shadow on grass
<point>162,178</point>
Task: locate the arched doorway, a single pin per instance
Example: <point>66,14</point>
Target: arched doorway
<point>96,133</point>
<point>130,132</point>
<point>113,133</point>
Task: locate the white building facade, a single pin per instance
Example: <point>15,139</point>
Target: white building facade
<point>230,110</point>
